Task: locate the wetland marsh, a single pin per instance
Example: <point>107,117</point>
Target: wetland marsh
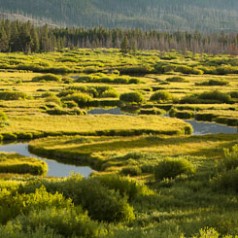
<point>153,175</point>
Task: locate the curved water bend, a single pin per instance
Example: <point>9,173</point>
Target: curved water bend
<point>55,168</point>
<point>203,128</point>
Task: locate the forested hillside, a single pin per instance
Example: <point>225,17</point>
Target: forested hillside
<point>26,37</point>
<point>169,15</point>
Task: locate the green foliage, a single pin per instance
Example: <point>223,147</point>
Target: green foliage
<point>162,96</point>
<point>67,222</point>
<point>226,181</point>
<point>15,204</point>
<point>3,119</point>
<point>207,97</point>
<point>124,185</point>
<point>103,204</point>
<point>172,167</point>
<point>152,111</point>
<point>231,158</point>
<point>139,70</point>
<point>15,163</point>
<point>12,95</point>
<point>131,170</point>
<point>215,96</point>
<point>234,94</point>
<point>47,78</point>
<point>213,82</point>
<point>80,98</point>
<point>208,233</point>
<point>176,79</point>
<point>132,97</point>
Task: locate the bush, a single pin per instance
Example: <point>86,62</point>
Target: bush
<point>231,158</point>
<point>132,97</point>
<point>80,98</point>
<point>136,70</point>
<point>124,185</point>
<point>70,222</point>
<point>227,181</point>
<point>102,203</point>
<point>234,94</point>
<point>47,78</point>
<point>110,93</point>
<point>188,70</point>
<point>152,111</point>
<point>170,168</point>
<point>3,119</point>
<point>121,80</point>
<point>131,170</point>
<point>215,96</point>
<point>161,96</point>
<point>213,82</point>
<point>84,78</point>
<point>12,95</point>
<point>176,79</point>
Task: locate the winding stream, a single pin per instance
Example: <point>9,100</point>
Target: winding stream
<point>58,169</point>
<point>55,168</point>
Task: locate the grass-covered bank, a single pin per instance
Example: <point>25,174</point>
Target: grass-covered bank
<point>116,153</point>
<point>11,163</point>
<point>27,127</point>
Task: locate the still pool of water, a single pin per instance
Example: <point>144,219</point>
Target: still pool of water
<point>55,168</point>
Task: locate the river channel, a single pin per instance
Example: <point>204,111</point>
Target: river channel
<point>58,169</point>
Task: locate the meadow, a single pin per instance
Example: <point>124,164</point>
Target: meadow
<point>152,178</point>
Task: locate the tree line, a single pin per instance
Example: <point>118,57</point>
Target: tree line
<point>25,37</point>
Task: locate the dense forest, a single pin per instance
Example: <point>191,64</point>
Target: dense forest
<point>26,37</point>
<point>163,15</point>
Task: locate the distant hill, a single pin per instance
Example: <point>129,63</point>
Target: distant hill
<point>165,15</point>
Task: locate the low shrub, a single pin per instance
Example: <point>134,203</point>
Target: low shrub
<point>132,97</point>
<point>227,181</point>
<point>47,78</point>
<point>110,93</point>
<point>3,119</point>
<point>176,79</point>
<point>62,111</point>
<point>124,185</point>
<point>136,70</point>
<point>215,96</point>
<point>234,94</point>
<point>131,170</point>
<point>188,70</point>
<point>12,95</point>
<point>213,82</point>
<point>104,204</point>
<point>152,111</point>
<point>134,81</point>
<point>207,97</point>
<point>161,96</point>
<point>172,167</point>
<point>230,160</point>
<point>121,80</point>
<point>53,99</point>
<point>80,98</point>
<point>67,222</point>
<point>84,78</point>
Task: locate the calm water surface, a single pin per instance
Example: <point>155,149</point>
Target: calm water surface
<point>55,168</point>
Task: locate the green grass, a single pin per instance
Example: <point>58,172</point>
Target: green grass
<point>55,87</point>
<point>18,164</point>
